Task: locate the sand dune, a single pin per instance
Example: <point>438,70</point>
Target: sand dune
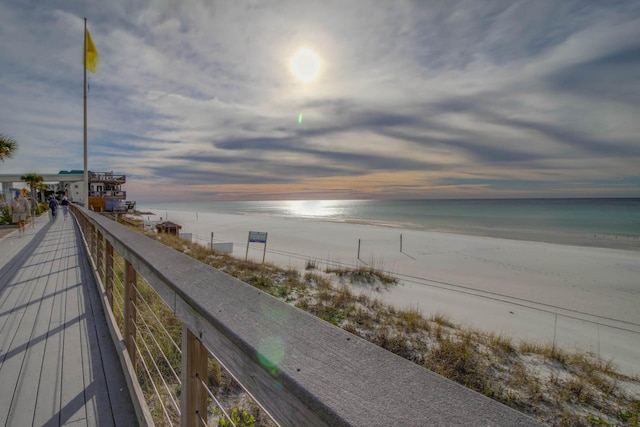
<point>586,298</point>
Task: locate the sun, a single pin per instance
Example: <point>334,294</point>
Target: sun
<point>305,65</point>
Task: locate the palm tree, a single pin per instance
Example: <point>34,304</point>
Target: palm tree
<point>7,146</point>
<point>42,187</point>
<point>32,179</point>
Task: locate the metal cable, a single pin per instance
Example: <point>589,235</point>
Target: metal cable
<point>166,386</point>
<point>215,399</point>
<point>164,409</point>
<point>118,296</point>
<point>164,356</point>
<point>156,317</point>
<point>257,402</point>
<point>202,420</point>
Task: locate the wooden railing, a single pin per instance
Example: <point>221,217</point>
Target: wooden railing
<point>303,371</point>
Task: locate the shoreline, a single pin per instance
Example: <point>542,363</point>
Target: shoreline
<point>626,242</point>
<point>596,240</point>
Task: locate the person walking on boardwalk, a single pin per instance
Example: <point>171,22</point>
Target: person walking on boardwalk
<point>53,206</point>
<point>19,209</point>
<point>65,207</point>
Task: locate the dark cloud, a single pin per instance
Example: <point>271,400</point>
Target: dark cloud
<point>472,148</point>
<point>614,76</point>
<point>321,162</point>
<point>500,184</point>
<point>188,176</point>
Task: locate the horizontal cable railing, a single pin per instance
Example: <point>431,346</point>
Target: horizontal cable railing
<point>154,346</point>
<point>181,323</point>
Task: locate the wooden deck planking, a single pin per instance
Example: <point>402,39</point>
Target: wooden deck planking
<point>11,278</point>
<point>22,408</point>
<point>19,333</point>
<point>13,309</point>
<point>53,352</point>
<point>93,372</point>
<point>46,410</point>
<point>109,364</point>
<point>72,404</point>
<point>26,390</point>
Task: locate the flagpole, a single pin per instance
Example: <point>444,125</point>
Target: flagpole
<point>86,171</point>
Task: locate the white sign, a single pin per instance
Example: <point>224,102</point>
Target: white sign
<point>257,237</point>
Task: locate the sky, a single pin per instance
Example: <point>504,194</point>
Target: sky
<point>196,100</point>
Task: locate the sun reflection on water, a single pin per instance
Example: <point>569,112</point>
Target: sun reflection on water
<point>315,208</point>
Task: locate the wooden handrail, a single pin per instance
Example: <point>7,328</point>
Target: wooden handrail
<point>303,370</point>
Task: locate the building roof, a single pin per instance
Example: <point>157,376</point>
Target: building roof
<point>168,224</point>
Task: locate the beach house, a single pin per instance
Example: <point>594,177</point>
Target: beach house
<point>106,193</point>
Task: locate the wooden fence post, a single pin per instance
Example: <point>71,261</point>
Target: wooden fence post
<point>84,225</point>
<point>130,297</point>
<point>99,264</point>
<point>92,240</point>
<point>108,273</point>
<point>193,398</point>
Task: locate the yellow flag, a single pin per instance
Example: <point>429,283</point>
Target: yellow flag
<point>92,54</point>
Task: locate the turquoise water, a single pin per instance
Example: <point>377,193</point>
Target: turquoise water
<point>591,222</point>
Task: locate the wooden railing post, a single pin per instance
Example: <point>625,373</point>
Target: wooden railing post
<point>99,244</point>
<point>193,398</point>
<point>94,240</point>
<point>90,238</point>
<point>108,273</point>
<point>130,297</point>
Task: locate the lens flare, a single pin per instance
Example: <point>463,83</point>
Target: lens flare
<point>271,353</point>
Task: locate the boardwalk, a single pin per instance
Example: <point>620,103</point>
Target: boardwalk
<point>58,365</point>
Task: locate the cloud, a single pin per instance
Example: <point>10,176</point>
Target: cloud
<point>413,98</point>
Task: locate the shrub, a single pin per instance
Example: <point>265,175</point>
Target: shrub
<point>5,218</point>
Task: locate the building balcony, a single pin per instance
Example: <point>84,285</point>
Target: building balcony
<point>114,194</point>
<point>107,178</point>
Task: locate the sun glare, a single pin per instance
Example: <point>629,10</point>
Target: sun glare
<point>305,65</point>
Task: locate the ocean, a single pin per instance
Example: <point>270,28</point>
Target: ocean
<point>607,222</point>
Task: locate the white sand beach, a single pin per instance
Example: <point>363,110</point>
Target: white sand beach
<point>583,297</point>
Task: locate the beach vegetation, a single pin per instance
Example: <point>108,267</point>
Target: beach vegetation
<point>239,418</point>
<point>5,218</point>
<point>316,280</point>
<point>411,320</point>
<point>132,221</point>
<point>32,179</point>
<point>42,188</point>
<point>442,320</point>
<point>373,277</point>
<point>8,146</point>
<point>547,382</point>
